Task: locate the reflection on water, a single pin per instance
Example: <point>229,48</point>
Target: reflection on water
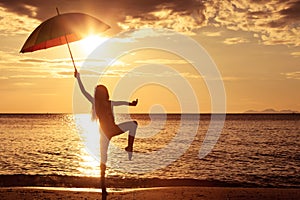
<point>89,165</point>
<point>261,149</point>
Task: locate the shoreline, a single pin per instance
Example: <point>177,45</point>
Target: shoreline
<point>173,193</point>
<point>28,187</point>
<point>21,180</point>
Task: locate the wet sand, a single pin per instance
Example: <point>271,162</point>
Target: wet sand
<point>153,193</point>
<point>71,187</point>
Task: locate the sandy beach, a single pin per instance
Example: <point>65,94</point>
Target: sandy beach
<point>9,193</point>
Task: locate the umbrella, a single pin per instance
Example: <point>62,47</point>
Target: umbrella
<point>63,29</point>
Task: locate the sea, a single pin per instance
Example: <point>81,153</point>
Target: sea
<point>257,149</point>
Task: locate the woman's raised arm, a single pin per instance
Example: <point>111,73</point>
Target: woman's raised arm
<point>87,95</point>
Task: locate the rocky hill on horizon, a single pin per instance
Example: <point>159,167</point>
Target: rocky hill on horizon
<point>271,110</point>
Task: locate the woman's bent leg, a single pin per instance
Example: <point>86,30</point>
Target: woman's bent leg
<point>130,126</point>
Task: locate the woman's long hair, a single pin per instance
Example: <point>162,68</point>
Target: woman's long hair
<point>101,95</point>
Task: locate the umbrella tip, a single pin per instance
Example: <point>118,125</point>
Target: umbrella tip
<point>57,11</point>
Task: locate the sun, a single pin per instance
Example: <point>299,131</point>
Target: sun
<point>91,42</point>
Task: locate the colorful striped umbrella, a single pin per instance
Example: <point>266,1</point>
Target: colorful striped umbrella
<point>63,29</point>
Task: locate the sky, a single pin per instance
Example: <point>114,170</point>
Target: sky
<point>254,44</point>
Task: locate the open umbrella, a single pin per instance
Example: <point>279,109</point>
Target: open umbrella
<point>63,29</point>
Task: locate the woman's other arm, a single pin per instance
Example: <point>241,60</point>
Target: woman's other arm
<point>124,103</point>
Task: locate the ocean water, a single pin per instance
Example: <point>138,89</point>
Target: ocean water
<point>260,149</point>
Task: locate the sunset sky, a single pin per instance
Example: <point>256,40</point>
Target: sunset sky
<point>255,45</point>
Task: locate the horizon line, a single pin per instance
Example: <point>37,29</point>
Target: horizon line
<point>144,113</point>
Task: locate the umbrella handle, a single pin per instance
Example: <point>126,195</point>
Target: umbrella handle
<point>71,54</point>
<point>68,45</point>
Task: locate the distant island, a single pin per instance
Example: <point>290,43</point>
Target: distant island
<point>272,111</point>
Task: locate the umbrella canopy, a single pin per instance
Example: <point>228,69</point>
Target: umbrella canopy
<point>62,29</point>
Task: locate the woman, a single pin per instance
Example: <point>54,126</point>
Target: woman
<point>103,111</point>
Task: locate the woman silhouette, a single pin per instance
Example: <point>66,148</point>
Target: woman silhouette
<point>103,111</point>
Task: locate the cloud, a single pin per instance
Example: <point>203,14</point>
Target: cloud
<point>167,18</point>
<point>7,56</point>
<point>178,15</point>
<point>65,73</point>
<point>162,61</point>
<point>149,73</point>
<point>28,76</point>
<point>23,84</point>
<point>273,22</point>
<point>190,75</point>
<point>157,74</point>
<point>292,75</point>
<point>296,54</point>
<point>235,40</point>
<point>111,73</point>
<point>12,24</point>
<point>212,34</point>
<point>52,61</point>
<point>13,67</point>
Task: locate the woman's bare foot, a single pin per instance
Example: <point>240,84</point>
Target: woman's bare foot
<point>129,151</point>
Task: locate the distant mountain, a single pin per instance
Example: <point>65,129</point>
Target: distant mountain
<point>271,110</point>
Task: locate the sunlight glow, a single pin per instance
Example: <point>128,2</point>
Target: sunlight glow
<point>89,165</point>
<point>91,42</point>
